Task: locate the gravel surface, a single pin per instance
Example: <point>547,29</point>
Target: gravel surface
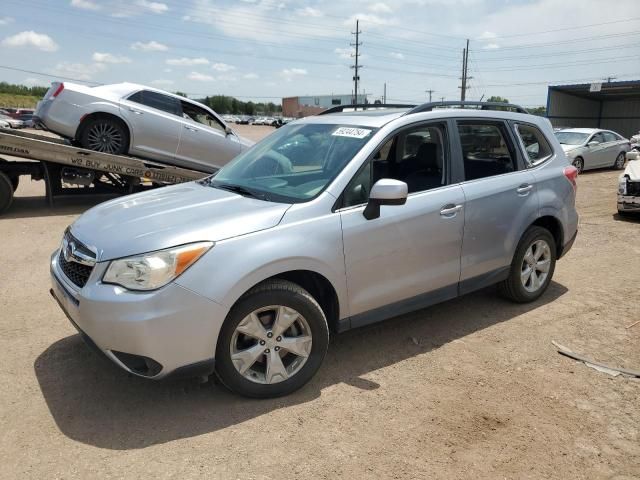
<point>471,388</point>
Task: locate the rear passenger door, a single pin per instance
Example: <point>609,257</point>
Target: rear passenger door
<point>500,200</point>
<point>155,124</point>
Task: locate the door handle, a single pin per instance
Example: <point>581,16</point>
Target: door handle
<point>450,210</point>
<point>524,189</point>
<point>191,129</point>
<point>137,112</point>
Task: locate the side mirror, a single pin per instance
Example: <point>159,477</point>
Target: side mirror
<point>593,143</point>
<point>385,191</point>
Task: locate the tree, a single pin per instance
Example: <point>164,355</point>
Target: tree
<point>497,99</point>
<point>540,111</point>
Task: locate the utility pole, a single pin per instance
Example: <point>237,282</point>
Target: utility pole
<point>384,97</point>
<point>608,79</point>
<point>430,92</point>
<point>356,68</point>
<point>465,77</point>
<point>442,99</point>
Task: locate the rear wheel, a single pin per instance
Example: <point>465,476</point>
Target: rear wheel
<point>532,267</point>
<point>104,134</point>
<point>579,164</point>
<point>6,192</point>
<point>619,163</point>
<point>15,179</point>
<point>272,342</point>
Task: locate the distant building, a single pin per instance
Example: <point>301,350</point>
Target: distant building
<point>298,107</point>
<point>609,105</point>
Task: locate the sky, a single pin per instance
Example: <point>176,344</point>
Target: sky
<point>268,49</point>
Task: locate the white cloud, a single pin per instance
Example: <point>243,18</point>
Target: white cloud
<point>222,67</point>
<point>251,76</point>
<point>31,39</point>
<point>380,8</point>
<point>345,53</point>
<point>487,36</point>
<point>490,46</point>
<point>200,77</point>
<point>109,58</point>
<point>369,19</point>
<point>151,46</point>
<point>167,70</point>
<point>6,20</point>
<point>162,82</point>
<point>309,12</point>
<point>187,62</point>
<point>78,71</point>
<point>289,73</point>
<point>397,55</point>
<point>85,4</point>
<point>32,82</point>
<point>154,7</point>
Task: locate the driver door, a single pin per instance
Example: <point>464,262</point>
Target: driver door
<point>596,155</point>
<point>204,142</point>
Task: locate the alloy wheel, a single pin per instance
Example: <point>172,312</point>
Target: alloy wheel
<point>271,344</point>
<point>104,137</point>
<point>579,164</point>
<point>535,266</point>
<point>619,165</point>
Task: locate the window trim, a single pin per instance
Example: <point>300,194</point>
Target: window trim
<point>128,97</point>
<point>338,205</point>
<point>527,161</point>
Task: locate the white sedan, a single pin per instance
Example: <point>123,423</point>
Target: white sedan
<point>142,121</point>
<point>589,148</point>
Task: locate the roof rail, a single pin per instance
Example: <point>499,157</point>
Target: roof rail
<point>363,106</point>
<point>427,107</point>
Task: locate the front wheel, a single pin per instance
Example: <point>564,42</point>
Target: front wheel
<point>619,163</point>
<point>579,164</point>
<point>107,135</point>
<point>532,267</point>
<point>272,342</point>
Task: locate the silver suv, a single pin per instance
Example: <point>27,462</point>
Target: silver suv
<point>330,223</point>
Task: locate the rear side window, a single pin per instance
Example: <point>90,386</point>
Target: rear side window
<point>609,137</point>
<point>534,143</point>
<point>485,149</point>
<point>158,101</point>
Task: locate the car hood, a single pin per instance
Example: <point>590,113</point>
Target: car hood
<point>633,170</point>
<point>172,216</point>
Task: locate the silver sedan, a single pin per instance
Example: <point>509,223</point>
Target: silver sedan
<point>589,148</point>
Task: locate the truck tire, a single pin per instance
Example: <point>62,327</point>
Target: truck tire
<point>6,192</point>
<point>272,342</point>
<point>15,179</point>
<point>105,134</point>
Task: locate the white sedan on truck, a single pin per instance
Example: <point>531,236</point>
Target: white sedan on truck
<point>629,185</point>
<point>126,118</point>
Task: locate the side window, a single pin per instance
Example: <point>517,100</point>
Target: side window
<point>598,137</point>
<point>158,101</point>
<point>200,115</point>
<point>416,156</point>
<point>609,137</point>
<point>485,149</point>
<point>535,144</point>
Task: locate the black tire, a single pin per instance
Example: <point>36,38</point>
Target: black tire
<point>512,288</point>
<point>117,139</point>
<point>6,192</point>
<point>272,292</point>
<point>619,165</point>
<point>578,162</point>
<point>15,179</point>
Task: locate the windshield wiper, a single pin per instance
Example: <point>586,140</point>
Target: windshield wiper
<point>245,192</point>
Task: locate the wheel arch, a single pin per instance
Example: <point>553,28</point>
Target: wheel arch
<point>102,114</point>
<point>554,226</point>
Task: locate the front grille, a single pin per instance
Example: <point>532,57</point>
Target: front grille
<point>78,273</point>
<point>633,188</point>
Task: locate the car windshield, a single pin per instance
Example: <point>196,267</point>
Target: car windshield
<point>294,164</point>
<point>571,138</point>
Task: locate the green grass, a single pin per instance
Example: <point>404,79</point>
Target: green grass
<point>18,101</point>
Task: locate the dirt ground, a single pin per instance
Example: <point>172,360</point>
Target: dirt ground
<point>472,388</point>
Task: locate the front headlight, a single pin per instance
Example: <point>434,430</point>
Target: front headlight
<point>155,269</point>
<point>622,186</point>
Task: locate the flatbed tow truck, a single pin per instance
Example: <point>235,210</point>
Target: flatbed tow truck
<point>70,171</point>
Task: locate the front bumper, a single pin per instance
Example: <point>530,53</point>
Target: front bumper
<point>174,328</point>
<point>628,203</point>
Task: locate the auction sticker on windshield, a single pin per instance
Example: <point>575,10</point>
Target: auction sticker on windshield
<point>351,132</point>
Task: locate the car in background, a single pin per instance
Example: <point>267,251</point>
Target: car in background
<point>635,142</point>
<point>142,121</point>
<point>629,185</point>
<point>4,124</point>
<point>27,119</point>
<point>13,122</point>
<point>589,148</point>
<point>332,222</point>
